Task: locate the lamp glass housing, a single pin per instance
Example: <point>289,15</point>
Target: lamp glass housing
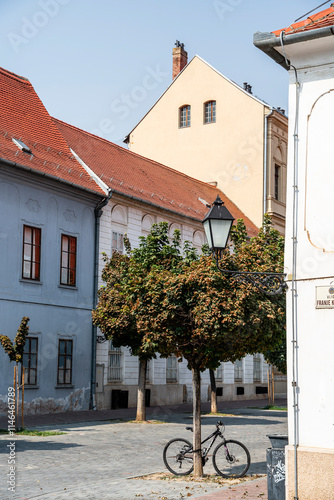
<point>217,225</point>
<point>217,232</point>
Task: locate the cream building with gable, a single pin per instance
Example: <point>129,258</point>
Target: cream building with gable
<point>210,128</point>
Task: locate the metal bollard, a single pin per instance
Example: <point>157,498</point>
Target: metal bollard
<point>276,466</point>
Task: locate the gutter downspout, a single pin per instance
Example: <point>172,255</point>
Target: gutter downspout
<point>294,294</point>
<point>98,212</point>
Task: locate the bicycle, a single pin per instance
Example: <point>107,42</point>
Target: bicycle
<point>230,458</point>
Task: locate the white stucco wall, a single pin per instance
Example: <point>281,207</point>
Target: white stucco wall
<point>134,219</point>
<point>315,243</point>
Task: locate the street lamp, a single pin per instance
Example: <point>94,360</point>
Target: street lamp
<point>217,225</point>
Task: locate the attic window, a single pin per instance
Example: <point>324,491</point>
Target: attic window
<point>22,146</point>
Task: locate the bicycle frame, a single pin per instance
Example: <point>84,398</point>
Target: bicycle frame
<point>214,435</point>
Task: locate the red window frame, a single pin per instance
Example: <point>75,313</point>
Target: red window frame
<point>68,260</point>
<point>31,253</point>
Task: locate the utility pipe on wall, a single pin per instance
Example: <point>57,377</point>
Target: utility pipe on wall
<point>98,212</point>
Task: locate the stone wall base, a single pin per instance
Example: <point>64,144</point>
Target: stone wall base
<point>170,394</point>
<point>315,473</point>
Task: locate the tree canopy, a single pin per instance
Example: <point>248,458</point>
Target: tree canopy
<point>118,312</point>
<point>162,298</point>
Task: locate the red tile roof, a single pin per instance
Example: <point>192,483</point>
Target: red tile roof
<point>130,174</point>
<point>23,116</point>
<point>316,21</point>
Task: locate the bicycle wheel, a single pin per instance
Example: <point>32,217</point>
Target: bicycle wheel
<point>231,459</point>
<point>178,457</point>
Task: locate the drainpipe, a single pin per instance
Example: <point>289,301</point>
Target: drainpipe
<point>98,212</point>
<point>294,295</point>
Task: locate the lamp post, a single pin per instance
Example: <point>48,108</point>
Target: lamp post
<point>217,225</point>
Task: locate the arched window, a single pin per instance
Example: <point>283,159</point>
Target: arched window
<point>146,224</point>
<point>172,228</point>
<point>184,118</point>
<point>118,227</point>
<point>198,240</point>
<point>210,112</point>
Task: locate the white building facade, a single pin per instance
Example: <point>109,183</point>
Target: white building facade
<point>168,382</point>
<point>306,49</point>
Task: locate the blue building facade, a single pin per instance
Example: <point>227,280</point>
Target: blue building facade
<point>49,208</point>
<point>47,242</point>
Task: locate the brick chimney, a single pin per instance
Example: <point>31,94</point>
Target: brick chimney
<point>180,58</point>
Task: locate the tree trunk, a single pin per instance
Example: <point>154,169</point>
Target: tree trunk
<point>141,407</point>
<point>214,408</point>
<point>198,466</point>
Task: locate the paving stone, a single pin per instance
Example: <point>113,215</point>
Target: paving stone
<point>99,460</point>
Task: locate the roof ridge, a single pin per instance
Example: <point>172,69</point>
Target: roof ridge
<point>10,74</point>
<point>128,151</point>
<point>135,187</point>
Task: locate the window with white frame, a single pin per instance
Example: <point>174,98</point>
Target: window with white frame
<point>117,242</point>
<point>119,221</point>
<point>171,369</point>
<point>210,112</point>
<point>238,371</point>
<point>184,116</point>
<point>219,373</point>
<point>257,367</point>
<point>115,371</point>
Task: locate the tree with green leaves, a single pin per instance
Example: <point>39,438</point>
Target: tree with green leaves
<point>117,313</point>
<point>265,254</point>
<point>206,317</point>
<point>158,300</point>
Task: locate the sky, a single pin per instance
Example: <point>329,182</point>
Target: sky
<point>101,64</point>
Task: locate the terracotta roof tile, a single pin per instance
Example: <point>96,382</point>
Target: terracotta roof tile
<point>23,116</point>
<point>316,21</point>
<point>128,173</point>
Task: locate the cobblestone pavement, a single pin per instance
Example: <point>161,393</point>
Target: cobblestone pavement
<point>104,459</point>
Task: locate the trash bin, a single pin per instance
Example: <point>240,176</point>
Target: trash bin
<point>276,466</point>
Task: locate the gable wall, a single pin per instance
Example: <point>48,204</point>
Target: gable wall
<point>229,151</point>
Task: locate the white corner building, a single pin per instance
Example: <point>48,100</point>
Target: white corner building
<point>306,50</point>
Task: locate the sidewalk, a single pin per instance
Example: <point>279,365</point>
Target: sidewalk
<point>250,490</point>
<point>153,413</point>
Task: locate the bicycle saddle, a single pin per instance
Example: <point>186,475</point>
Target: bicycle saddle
<point>189,429</point>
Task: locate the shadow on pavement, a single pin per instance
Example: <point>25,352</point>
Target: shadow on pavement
<point>22,446</point>
<point>257,468</point>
